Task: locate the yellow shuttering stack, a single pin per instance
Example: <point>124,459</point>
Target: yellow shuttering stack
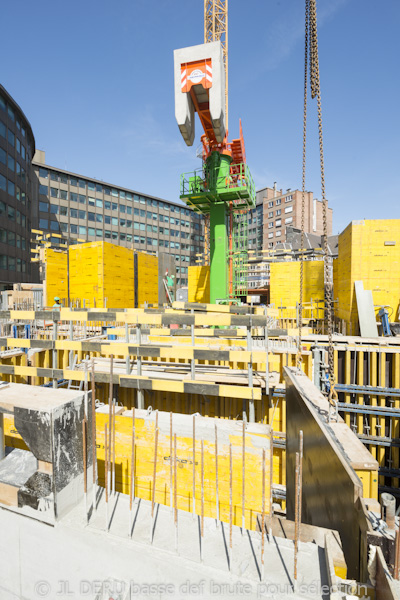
<point>102,275</point>
<point>285,284</point>
<point>56,281</point>
<point>199,284</point>
<point>146,279</point>
<point>369,251</point>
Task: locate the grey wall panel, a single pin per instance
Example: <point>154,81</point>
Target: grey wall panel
<point>330,485</point>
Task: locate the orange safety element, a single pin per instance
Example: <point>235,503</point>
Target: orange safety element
<point>196,72</point>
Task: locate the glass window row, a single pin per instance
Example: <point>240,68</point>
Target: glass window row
<point>11,263</point>
<point>92,186</point>
<point>12,239</point>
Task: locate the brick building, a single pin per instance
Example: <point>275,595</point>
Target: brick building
<point>275,210</point>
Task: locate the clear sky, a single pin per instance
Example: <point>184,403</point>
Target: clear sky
<point>95,79</point>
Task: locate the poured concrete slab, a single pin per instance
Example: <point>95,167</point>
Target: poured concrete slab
<point>77,558</point>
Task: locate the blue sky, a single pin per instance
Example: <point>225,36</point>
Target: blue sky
<point>95,79</point>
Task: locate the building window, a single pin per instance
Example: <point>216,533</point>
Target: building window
<point>43,224</point>
<point>11,113</point>
<point>278,202</point>
<point>54,226</point>
<point>91,186</point>
<point>114,192</point>
<point>73,181</point>
<point>278,234</point>
<point>278,212</point>
<point>11,188</point>
<point>271,234</point>
<point>54,192</point>
<point>73,228</point>
<point>82,184</point>
<point>270,225</point>
<point>63,195</point>
<point>43,206</point>
<point>91,231</point>
<point>289,220</point>
<point>289,209</point>
<point>278,222</point>
<point>289,198</point>
<point>270,204</point>
<point>99,203</point>
<point>73,197</point>
<point>82,230</point>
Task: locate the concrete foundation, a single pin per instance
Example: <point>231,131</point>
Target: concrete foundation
<point>75,559</point>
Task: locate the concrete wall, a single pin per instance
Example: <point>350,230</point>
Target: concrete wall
<point>330,485</point>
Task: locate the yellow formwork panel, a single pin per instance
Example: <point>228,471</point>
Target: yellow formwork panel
<point>199,284</point>
<point>56,275</point>
<point>144,466</point>
<point>285,287</point>
<point>369,251</point>
<point>146,279</point>
<point>102,274</point>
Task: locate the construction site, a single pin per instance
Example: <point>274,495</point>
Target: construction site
<point>216,441</point>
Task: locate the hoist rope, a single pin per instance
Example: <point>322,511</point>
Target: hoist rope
<point>311,60</point>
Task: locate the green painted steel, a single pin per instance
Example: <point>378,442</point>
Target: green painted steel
<point>214,184</point>
<point>211,190</point>
<point>218,253</point>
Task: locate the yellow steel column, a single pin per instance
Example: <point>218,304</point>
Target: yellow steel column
<point>373,401</point>
<point>382,402</point>
<point>360,381</point>
<point>395,420</point>
<point>347,381</point>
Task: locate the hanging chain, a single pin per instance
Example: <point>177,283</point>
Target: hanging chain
<point>303,190</point>
<point>311,56</point>
<point>316,92</point>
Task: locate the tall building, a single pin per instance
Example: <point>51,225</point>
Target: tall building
<point>80,207</point>
<point>18,188</point>
<point>275,210</point>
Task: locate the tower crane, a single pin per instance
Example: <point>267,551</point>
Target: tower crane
<point>223,185</point>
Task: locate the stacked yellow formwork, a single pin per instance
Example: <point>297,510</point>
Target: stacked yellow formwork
<point>199,284</point>
<point>285,286</point>
<point>369,251</point>
<point>146,279</point>
<point>102,274</point>
<point>56,275</point>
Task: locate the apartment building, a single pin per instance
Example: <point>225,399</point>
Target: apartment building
<point>276,210</point>
<point>80,207</point>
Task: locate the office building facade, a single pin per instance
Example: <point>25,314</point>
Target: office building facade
<point>82,208</point>
<point>18,188</point>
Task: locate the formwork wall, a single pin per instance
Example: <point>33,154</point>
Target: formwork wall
<point>56,275</point>
<point>199,284</point>
<point>285,284</point>
<point>146,279</point>
<point>102,274</point>
<point>368,251</point>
